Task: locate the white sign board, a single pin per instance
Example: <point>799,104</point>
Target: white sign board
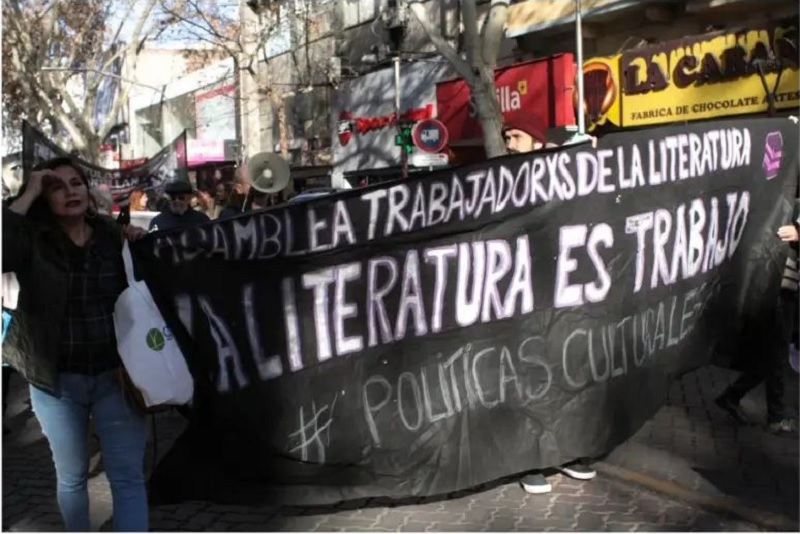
<point>428,159</point>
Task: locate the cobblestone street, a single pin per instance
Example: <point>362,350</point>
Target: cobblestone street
<point>689,468</point>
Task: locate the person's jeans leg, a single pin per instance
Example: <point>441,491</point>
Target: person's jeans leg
<point>64,420</point>
<point>123,437</point>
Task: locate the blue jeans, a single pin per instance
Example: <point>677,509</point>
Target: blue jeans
<point>64,418</point>
<point>6,323</point>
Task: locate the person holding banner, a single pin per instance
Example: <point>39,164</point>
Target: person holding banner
<point>180,213</point>
<point>68,261</point>
<point>770,367</point>
<point>522,134</point>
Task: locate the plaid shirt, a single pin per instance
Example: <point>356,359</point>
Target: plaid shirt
<point>96,279</point>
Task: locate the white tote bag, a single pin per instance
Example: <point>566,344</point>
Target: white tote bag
<point>148,349</point>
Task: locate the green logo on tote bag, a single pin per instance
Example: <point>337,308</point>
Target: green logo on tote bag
<point>155,339</point>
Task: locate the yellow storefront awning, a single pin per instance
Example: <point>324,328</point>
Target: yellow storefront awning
<point>536,15</point>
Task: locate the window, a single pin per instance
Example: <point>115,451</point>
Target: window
<point>355,12</point>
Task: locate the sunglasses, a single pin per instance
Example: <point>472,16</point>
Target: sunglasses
<point>179,196</point>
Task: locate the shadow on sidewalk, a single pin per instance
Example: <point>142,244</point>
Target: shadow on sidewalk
<point>694,444</point>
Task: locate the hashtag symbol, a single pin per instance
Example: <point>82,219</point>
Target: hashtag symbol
<point>310,434</point>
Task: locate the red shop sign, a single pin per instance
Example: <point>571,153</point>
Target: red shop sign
<point>128,163</point>
<point>348,124</point>
<point>542,88</point>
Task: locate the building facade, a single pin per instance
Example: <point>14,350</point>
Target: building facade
<point>204,103</point>
<point>326,57</point>
<point>326,64</point>
<point>651,63</point>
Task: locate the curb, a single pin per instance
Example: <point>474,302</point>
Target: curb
<point>725,504</point>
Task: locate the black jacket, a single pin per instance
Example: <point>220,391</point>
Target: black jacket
<point>167,220</point>
<point>32,250</point>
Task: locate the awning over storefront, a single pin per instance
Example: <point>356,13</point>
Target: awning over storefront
<point>538,15</point>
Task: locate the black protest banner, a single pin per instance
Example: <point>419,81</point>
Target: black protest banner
<point>168,164</point>
<point>433,334</point>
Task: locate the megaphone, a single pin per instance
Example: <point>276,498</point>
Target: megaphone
<point>268,173</point>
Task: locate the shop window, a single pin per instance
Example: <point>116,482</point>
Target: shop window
<point>312,112</point>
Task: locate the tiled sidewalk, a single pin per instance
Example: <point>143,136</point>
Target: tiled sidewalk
<point>666,478</point>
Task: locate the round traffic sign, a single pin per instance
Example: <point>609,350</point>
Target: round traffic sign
<point>429,135</point>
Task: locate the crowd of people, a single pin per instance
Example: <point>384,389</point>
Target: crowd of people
<point>182,205</point>
<point>65,250</point>
<point>62,251</point>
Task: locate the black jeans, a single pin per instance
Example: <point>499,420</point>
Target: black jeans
<point>771,366</point>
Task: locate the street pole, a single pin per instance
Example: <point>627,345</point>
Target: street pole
<point>398,114</point>
<point>760,64</point>
<point>580,135</point>
<point>579,60</point>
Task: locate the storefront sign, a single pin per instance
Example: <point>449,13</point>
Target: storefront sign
<point>204,150</point>
<point>539,88</point>
<point>348,124</point>
<point>601,92</point>
<point>706,77</point>
<point>363,121</point>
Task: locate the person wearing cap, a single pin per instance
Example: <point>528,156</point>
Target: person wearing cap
<point>179,214</point>
<point>522,134</point>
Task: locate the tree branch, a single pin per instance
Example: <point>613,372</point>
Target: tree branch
<point>442,46</point>
<point>130,58</point>
<point>492,32</point>
<point>469,18</point>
